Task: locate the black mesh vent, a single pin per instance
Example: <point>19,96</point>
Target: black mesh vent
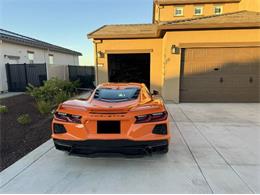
<point>160,129</point>
<point>59,128</point>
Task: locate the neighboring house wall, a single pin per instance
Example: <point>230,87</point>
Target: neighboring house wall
<point>167,12</point>
<point>14,53</point>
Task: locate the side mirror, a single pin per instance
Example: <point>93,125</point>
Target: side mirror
<point>155,92</point>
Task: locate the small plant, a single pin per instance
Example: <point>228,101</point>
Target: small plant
<point>52,93</point>
<point>24,119</point>
<point>61,97</point>
<point>3,109</point>
<point>44,107</point>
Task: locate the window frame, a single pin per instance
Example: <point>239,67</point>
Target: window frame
<point>12,58</point>
<point>49,58</point>
<point>202,10</point>
<point>30,53</point>
<point>178,7</point>
<point>218,7</point>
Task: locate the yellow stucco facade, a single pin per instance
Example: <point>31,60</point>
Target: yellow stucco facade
<point>165,66</point>
<point>167,12</point>
<point>164,13</point>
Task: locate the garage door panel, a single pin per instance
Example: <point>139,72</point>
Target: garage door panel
<point>199,82</point>
<point>220,75</point>
<point>224,96</point>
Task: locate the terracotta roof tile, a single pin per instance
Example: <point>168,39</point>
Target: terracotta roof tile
<point>234,17</point>
<point>241,19</point>
<point>126,30</point>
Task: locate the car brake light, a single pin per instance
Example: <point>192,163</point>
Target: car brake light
<point>71,118</point>
<point>160,116</point>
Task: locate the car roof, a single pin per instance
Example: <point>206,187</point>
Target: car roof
<point>120,85</point>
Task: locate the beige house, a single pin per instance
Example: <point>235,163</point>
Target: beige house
<point>19,49</point>
<point>194,51</point>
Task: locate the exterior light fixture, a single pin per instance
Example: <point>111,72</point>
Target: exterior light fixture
<point>100,54</point>
<point>175,49</point>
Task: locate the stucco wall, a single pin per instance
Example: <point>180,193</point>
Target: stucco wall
<point>166,12</point>
<point>173,61</point>
<point>58,71</point>
<point>133,46</point>
<point>251,5</point>
<point>165,66</point>
<point>40,56</point>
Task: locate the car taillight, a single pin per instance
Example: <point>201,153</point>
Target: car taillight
<point>71,118</point>
<point>160,116</point>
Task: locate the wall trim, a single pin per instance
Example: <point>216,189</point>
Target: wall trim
<point>219,44</point>
<point>128,51</point>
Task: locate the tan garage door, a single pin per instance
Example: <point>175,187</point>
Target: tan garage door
<point>220,75</point>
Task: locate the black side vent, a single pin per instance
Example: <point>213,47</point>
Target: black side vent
<point>96,96</point>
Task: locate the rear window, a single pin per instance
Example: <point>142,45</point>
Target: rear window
<point>115,95</point>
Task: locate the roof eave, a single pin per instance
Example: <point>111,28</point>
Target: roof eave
<point>122,36</point>
<point>25,43</point>
<point>209,26</point>
<point>90,35</point>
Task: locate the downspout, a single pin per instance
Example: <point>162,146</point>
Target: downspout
<point>45,53</point>
<point>157,6</point>
<point>159,12</point>
<point>96,63</point>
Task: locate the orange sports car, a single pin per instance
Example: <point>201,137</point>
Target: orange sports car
<point>116,118</point>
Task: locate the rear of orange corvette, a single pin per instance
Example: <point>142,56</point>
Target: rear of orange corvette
<point>116,118</point>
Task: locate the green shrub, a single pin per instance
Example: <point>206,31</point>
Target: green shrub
<point>24,119</point>
<point>44,107</point>
<point>52,93</point>
<point>61,97</point>
<point>3,109</point>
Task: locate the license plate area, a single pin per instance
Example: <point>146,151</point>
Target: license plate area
<point>108,127</point>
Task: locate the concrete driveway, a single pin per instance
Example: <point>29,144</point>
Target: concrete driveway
<point>215,149</point>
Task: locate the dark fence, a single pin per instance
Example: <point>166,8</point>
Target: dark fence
<point>85,75</point>
<point>20,75</point>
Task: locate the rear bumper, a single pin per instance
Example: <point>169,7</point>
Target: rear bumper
<point>112,146</point>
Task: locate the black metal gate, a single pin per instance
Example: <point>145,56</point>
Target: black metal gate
<point>85,75</point>
<point>20,75</point>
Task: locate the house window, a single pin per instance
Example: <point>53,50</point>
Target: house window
<point>178,11</point>
<point>218,9</point>
<point>30,56</point>
<point>50,59</point>
<point>198,11</point>
<point>12,59</point>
